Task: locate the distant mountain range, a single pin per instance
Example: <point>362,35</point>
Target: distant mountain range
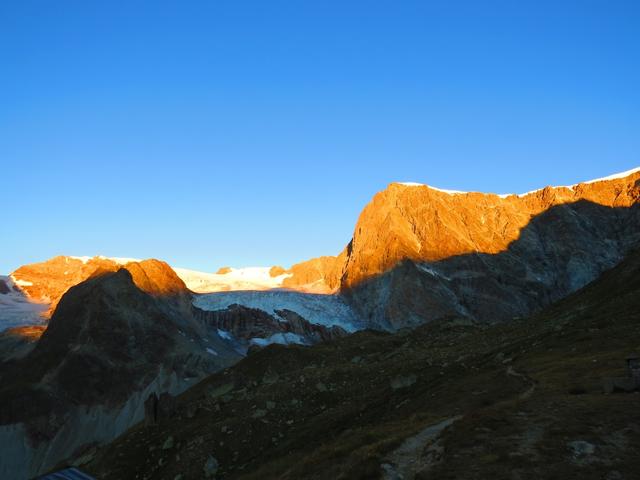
<point>87,339</point>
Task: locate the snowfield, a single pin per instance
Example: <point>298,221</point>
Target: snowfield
<point>250,278</point>
<point>17,310</point>
<point>328,310</point>
<point>118,260</point>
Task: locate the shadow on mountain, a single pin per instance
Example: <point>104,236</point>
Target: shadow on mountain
<point>558,252</point>
<point>446,400</point>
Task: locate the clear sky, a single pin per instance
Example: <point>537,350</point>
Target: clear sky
<point>210,133</point>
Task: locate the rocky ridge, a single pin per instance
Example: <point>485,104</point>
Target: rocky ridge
<point>420,253</point>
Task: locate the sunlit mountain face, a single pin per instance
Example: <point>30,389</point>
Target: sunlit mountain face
<point>86,341</point>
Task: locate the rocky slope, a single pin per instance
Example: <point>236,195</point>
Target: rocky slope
<point>113,339</point>
<point>419,253</point>
<point>448,400</point>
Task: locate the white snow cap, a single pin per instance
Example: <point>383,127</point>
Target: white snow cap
<point>615,176</point>
<point>118,260</point>
<point>505,195</point>
<point>444,190</point>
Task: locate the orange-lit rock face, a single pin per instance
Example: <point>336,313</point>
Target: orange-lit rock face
<point>156,277</point>
<point>19,341</point>
<point>30,332</point>
<point>48,281</point>
<point>424,224</point>
<point>318,275</point>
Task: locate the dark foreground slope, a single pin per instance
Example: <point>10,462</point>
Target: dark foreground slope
<point>447,400</point>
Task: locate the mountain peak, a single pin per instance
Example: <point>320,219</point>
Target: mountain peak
<point>47,281</point>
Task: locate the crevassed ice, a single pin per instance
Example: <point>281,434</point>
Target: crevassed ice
<point>328,310</point>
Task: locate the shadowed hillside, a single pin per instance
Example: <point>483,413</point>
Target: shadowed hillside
<point>521,400</point>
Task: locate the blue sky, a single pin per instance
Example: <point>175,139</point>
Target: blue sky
<point>252,133</point>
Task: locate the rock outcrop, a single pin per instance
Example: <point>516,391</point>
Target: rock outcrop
<point>318,275</point>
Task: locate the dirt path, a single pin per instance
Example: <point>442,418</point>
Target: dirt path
<point>417,453</point>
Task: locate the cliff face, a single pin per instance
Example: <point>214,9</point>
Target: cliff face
<point>426,225</point>
<point>419,253</point>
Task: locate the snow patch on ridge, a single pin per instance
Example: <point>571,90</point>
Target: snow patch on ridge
<point>443,190</point>
<point>224,334</point>
<point>615,176</point>
<point>430,270</point>
<point>279,338</point>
